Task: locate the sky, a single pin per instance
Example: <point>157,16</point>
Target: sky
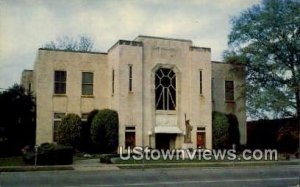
<point>26,25</point>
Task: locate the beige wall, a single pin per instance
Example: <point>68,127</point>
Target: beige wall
<point>71,102</point>
<point>136,108</point>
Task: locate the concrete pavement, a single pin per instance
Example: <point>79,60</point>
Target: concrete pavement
<point>92,165</point>
<point>274,176</point>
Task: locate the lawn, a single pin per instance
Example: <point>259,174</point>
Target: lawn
<point>12,161</point>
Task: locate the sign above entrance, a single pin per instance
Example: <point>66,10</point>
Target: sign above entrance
<point>167,130</point>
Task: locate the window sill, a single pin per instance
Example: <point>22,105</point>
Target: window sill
<point>87,96</point>
<point>59,95</point>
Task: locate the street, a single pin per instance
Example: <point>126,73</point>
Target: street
<point>238,176</point>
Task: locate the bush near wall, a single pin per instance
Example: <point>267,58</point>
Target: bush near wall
<point>220,132</point>
<point>105,130</point>
<point>49,154</point>
<point>69,130</point>
<point>225,129</point>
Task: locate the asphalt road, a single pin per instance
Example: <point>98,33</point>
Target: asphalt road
<point>270,176</point>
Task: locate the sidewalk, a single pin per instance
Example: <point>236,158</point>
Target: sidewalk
<point>95,165</point>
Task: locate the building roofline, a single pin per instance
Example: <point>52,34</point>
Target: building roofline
<point>63,50</point>
<point>162,38</point>
<point>126,42</point>
<point>27,70</point>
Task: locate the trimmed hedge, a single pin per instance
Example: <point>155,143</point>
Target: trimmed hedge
<point>69,130</point>
<point>220,132</point>
<point>49,154</point>
<point>105,130</point>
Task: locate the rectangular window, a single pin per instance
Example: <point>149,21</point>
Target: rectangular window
<point>201,137</point>
<point>57,117</point>
<point>130,78</point>
<point>200,80</point>
<point>113,82</point>
<point>229,91</point>
<point>87,83</point>
<point>60,79</point>
<point>129,137</point>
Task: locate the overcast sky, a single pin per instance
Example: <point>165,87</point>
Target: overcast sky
<point>25,25</point>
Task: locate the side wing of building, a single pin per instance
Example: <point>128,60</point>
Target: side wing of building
<point>67,82</point>
<point>228,93</point>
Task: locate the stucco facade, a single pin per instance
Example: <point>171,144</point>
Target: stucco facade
<point>152,82</point>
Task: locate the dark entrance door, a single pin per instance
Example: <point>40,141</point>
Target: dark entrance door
<point>162,141</point>
<point>201,140</point>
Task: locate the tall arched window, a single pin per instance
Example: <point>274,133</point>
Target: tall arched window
<point>165,89</point>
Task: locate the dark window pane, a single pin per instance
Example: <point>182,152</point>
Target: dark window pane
<point>87,78</point>
<point>60,88</point>
<point>165,89</point>
<point>87,89</point>
<point>229,90</point>
<point>87,83</point>
<point>60,78</point>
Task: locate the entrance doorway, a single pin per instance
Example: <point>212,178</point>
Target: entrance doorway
<point>165,141</point>
<point>201,137</point>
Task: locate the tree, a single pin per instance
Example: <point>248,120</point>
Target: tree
<point>220,133</point>
<point>68,131</point>
<point>105,130</point>
<point>17,126</point>
<point>83,43</point>
<point>266,38</point>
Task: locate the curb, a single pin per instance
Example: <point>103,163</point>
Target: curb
<point>207,165</point>
<point>34,168</point>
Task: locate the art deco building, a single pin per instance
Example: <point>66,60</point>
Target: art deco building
<point>151,82</point>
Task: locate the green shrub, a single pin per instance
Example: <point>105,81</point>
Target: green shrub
<point>91,116</point>
<point>69,130</point>
<point>220,133</point>
<point>49,154</point>
<point>233,130</point>
<point>105,130</point>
